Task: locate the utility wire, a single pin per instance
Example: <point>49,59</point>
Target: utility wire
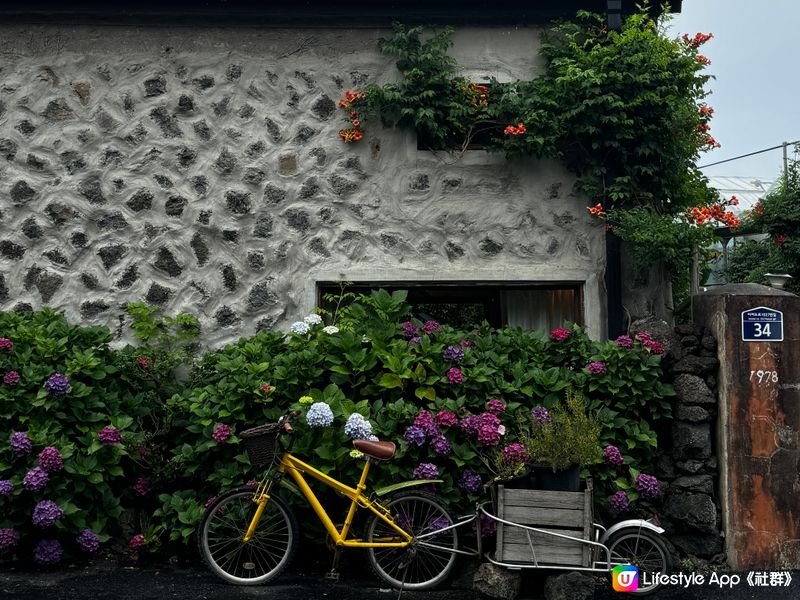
<point>750,154</point>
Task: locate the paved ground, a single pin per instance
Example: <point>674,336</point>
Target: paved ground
<point>109,581</point>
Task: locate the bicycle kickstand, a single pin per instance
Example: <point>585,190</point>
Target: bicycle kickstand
<point>333,574</point>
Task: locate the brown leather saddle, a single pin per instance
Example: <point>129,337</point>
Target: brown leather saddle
<point>376,450</point>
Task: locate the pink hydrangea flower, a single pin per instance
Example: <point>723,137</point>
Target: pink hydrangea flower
<point>143,361</point>
<point>454,375</point>
<point>109,436</point>
<point>6,345</point>
<point>221,432</point>
<point>50,459</point>
<point>559,334</point>
<point>596,367</point>
<point>142,486</point>
<point>625,341</point>
<point>446,418</point>
<point>495,406</point>
<point>11,378</point>
<point>136,542</point>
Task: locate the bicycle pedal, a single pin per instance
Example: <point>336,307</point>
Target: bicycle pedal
<point>332,576</point>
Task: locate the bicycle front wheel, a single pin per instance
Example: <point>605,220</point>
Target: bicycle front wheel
<point>265,556</point>
<point>643,549</point>
<point>429,560</point>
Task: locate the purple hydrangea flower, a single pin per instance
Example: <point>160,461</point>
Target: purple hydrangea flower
<point>514,454</point>
<point>559,334</point>
<point>624,341</point>
<point>540,415</point>
<point>415,436</point>
<point>415,340</point>
<point>20,443</point>
<point>446,418</point>
<point>109,435</point>
<point>470,423</point>
<point>490,429</point>
<point>596,367</point>
<point>8,539</point>
<point>613,456</point>
<point>11,378</point>
<point>409,329</point>
<point>440,445</point>
<point>426,471</point>
<point>470,481</point>
<point>488,525</point>
<point>221,433</point>
<point>50,459</point>
<point>35,479</point>
<point>454,375</point>
<point>47,552</point>
<point>142,486</point>
<point>453,354</point>
<point>495,406</point>
<point>46,513</point>
<point>620,502</point>
<point>88,540</point>
<point>6,487</point>
<point>648,486</point>
<point>430,327</point>
<point>424,420</point>
<point>357,427</point>
<point>6,345</point>
<point>57,384</point>
<point>437,523</point>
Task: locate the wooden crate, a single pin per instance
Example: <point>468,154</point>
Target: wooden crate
<point>567,513</point>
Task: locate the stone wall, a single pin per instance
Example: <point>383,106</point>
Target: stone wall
<point>200,170</point>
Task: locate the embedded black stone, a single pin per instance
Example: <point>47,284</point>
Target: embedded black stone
<point>255,149</point>
<point>390,240</point>
<point>200,249</point>
<point>200,185</point>
<point>307,79</point>
<point>91,309</point>
<point>106,122</point>
<point>204,217</point>
<point>246,111</point>
<point>582,246</point>
<point>203,82</point>
<point>158,294</point>
<point>298,219</point>
<point>419,183</point>
<point>11,250</point>
<point>60,213</point>
<point>273,77</point>
<point>326,214</point>
<point>263,228</point>
<point>141,200</point>
<point>90,189</point>
<point>85,136</point>
<point>489,246</point>
<point>21,192</point>
<point>113,221</point>
<point>273,194</point>
<point>89,281</point>
<point>31,277</point>
<point>31,228</point>
<point>225,317</point>
<point>260,295</point>
<point>35,163</point>
<point>273,130</point>
<point>8,149</point>
<point>254,176</point>
<point>309,188</point>
<point>127,103</point>
<point>128,278</point>
<point>342,186</point>
<point>163,181</point>
<point>185,103</point>
<point>25,127</point>
<point>119,185</point>
<point>55,255</point>
<point>186,157</point>
<point>320,155</point>
<point>323,107</point>
<point>3,288</point>
<point>566,220</point>
<point>225,163</point>
<point>265,324</point>
<point>78,239</point>
<point>317,246</point>
<point>230,235</point>
<point>166,262</point>
<point>294,97</point>
<point>58,110</point>
<point>48,283</point>
<point>453,250</point>
<point>111,255</point>
<point>552,245</point>
<point>111,156</point>
<point>304,134</point>
<point>233,72</point>
<point>175,205</point>
<point>202,131</point>
<point>229,277</point>
<point>238,202</point>
<point>451,185</point>
<point>72,161</point>
<point>352,163</point>
<point>137,136</point>
<point>155,86</point>
<point>22,307</point>
<point>167,122</point>
<point>256,261</point>
<point>222,107</point>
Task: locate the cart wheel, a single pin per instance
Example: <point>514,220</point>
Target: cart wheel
<point>643,549</point>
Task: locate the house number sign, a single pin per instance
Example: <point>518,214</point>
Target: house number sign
<point>762,324</point>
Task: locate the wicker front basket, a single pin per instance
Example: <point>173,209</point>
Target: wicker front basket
<point>261,443</point>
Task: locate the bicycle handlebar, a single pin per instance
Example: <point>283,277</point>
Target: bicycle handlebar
<point>286,421</point>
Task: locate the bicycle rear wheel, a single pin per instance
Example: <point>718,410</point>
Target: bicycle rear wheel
<point>222,529</point>
<point>429,560</point>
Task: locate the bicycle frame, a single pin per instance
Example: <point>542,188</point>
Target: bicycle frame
<point>296,468</point>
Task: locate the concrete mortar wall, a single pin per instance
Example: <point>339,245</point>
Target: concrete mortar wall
<point>200,169</point>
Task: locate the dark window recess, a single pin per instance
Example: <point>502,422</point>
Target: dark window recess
<point>530,306</point>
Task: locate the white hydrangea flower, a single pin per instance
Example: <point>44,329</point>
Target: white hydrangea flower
<point>330,329</point>
<point>299,327</point>
<point>313,319</point>
<point>319,415</point>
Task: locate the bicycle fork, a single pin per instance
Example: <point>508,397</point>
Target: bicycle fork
<point>260,497</point>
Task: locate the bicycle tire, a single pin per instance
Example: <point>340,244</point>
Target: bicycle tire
<point>418,567</point>
<point>258,561</point>
<point>643,549</point>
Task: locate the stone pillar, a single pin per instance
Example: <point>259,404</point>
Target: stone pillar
<point>759,423</point>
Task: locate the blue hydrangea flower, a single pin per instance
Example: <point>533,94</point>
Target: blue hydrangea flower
<point>426,471</point>
<point>6,487</point>
<point>357,427</point>
<point>453,353</point>
<point>415,436</point>
<point>319,415</point>
<point>299,327</point>
<point>57,384</point>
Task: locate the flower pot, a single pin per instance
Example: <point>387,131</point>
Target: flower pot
<point>565,480</point>
<point>522,482</point>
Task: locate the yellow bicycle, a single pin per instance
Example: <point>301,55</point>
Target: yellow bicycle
<point>248,536</point>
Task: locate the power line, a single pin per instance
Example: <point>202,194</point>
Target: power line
<point>750,154</point>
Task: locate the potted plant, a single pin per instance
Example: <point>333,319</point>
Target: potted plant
<point>560,441</point>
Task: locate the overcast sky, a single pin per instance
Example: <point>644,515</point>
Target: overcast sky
<point>754,55</point>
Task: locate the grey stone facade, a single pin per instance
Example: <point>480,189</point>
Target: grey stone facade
<point>200,169</point>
